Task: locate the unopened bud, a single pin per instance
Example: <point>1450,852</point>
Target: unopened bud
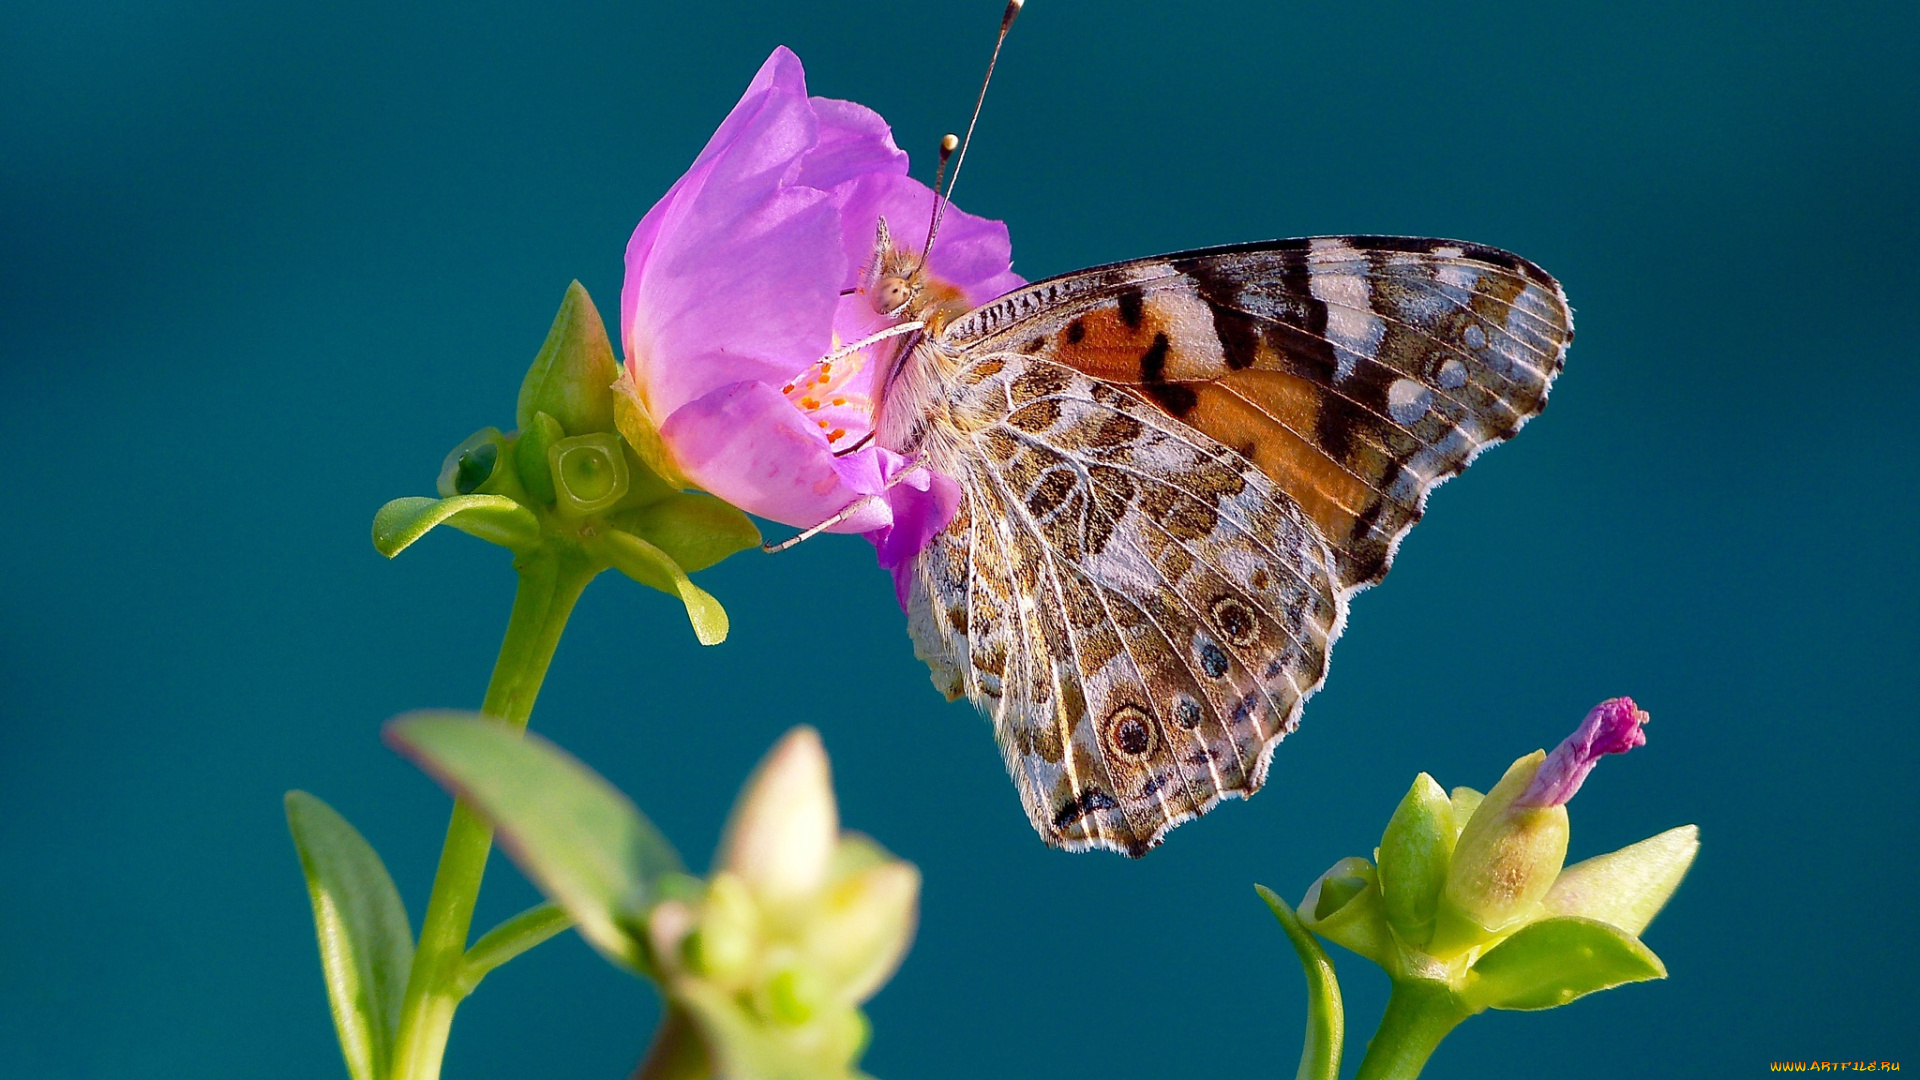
<point>1414,854</point>
<point>1503,864</point>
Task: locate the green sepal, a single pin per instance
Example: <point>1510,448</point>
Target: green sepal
<point>1326,1016</point>
<point>581,841</point>
<point>1413,857</point>
<point>508,940</point>
<point>493,518</point>
<point>636,426</point>
<point>695,530</point>
<point>530,455</point>
<point>1626,888</point>
<point>1343,906</point>
<point>366,945</point>
<point>862,924</point>
<point>1553,961</point>
<point>1465,801</point>
<point>572,376</point>
<point>747,1044</point>
<point>474,465</point>
<point>648,565</point>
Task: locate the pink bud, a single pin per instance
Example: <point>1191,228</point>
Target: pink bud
<point>1612,727</point>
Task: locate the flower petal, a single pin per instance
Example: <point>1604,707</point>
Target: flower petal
<point>747,444</point>
<point>1612,727</point>
<point>853,142</point>
<point>922,502</point>
<point>735,235</point>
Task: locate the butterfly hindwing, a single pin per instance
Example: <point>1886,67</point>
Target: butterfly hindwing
<point>1138,609</point>
<point>1355,372</point>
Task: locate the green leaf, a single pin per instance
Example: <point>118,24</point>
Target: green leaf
<point>493,518</point>
<point>366,946</point>
<point>695,530</point>
<point>572,376</point>
<point>1553,961</point>
<point>577,837</point>
<point>1413,858</point>
<point>1326,1017</point>
<point>510,939</point>
<point>650,566</point>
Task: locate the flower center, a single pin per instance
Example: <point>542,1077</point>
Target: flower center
<point>821,393</point>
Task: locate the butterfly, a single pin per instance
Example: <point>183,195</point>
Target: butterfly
<point>1175,473</point>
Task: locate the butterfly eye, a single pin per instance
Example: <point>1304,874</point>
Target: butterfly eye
<point>890,294</point>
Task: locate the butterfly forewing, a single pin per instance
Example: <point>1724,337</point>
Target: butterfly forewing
<point>1174,472</point>
<point>1356,372</point>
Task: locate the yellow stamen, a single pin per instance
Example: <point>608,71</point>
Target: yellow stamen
<point>809,403</point>
<point>836,434</point>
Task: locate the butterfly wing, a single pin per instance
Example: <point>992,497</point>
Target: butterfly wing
<point>1138,609</point>
<point>1176,471</point>
<point>1357,372</point>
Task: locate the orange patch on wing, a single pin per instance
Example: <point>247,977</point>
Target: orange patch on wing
<point>1269,416</point>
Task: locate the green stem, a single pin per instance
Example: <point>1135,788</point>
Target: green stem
<point>677,1052</point>
<point>549,585</point>
<point>1420,1012</point>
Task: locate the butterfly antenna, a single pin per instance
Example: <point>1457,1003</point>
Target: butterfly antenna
<point>948,143</point>
<point>942,201</point>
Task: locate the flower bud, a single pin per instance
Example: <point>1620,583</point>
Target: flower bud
<point>572,376</point>
<point>1503,864</point>
<point>589,472</point>
<point>1413,858</point>
<point>1512,848</point>
<point>781,836</point>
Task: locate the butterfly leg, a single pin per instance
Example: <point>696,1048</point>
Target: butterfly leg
<point>848,513</point>
<point>895,331</point>
<point>865,502</point>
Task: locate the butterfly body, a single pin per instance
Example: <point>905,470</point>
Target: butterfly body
<point>1174,474</point>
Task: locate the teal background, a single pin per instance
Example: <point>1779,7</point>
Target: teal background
<point>262,265</point>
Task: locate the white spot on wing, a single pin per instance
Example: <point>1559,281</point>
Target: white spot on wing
<point>1337,277</point>
<point>1408,401</point>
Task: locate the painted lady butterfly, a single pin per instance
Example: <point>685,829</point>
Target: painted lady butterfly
<point>1175,473</point>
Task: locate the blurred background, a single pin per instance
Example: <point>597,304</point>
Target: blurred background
<point>261,266</point>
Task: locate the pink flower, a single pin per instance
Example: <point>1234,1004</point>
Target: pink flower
<point>734,296</point>
<point>1611,727</point>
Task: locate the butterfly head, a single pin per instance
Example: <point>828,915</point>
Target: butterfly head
<point>899,286</point>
